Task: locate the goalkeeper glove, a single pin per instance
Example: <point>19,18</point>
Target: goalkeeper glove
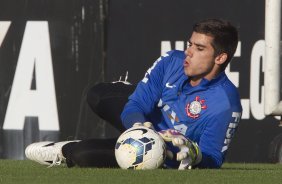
<point>189,154</point>
<point>145,124</point>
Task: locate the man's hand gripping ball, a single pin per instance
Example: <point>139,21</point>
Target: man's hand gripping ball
<point>189,154</point>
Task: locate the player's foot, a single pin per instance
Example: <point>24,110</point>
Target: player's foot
<point>47,152</point>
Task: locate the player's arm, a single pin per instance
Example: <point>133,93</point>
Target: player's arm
<point>147,93</point>
<point>216,138</point>
<point>213,143</point>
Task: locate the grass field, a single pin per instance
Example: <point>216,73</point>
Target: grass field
<point>24,171</point>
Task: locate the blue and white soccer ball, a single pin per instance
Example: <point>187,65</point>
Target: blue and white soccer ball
<point>140,148</point>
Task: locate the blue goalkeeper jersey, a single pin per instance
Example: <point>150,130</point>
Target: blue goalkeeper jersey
<point>207,114</point>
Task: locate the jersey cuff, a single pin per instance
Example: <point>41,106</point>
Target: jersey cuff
<point>132,118</point>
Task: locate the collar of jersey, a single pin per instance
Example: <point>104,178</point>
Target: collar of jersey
<point>204,84</point>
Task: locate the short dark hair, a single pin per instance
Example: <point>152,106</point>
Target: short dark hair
<point>224,33</point>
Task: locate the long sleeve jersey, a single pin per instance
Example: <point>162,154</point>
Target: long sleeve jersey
<point>207,114</point>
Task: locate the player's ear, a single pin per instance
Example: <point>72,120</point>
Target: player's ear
<point>221,58</point>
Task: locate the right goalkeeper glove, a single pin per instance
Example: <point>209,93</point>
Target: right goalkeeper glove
<point>189,154</point>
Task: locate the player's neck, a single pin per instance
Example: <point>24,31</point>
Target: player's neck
<point>196,80</point>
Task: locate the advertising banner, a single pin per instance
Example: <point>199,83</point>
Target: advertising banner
<point>51,53</point>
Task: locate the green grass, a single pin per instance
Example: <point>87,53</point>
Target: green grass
<point>15,171</point>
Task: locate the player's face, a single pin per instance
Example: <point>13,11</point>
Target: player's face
<point>200,60</point>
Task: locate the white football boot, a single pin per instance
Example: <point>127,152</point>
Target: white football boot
<point>46,152</point>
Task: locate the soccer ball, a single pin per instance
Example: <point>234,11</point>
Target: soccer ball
<point>140,148</point>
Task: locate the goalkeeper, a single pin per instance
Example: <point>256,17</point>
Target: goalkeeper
<point>190,92</point>
<point>187,92</point>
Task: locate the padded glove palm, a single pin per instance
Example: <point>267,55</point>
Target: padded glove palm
<point>189,154</point>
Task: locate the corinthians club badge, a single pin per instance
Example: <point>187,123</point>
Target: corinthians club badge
<point>194,108</point>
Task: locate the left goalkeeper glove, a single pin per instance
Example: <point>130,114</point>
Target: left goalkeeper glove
<point>145,124</point>
<point>189,154</point>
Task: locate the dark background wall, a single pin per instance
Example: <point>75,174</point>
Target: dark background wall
<point>100,40</point>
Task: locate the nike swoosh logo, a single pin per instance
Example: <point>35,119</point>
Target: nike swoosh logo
<point>169,86</point>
